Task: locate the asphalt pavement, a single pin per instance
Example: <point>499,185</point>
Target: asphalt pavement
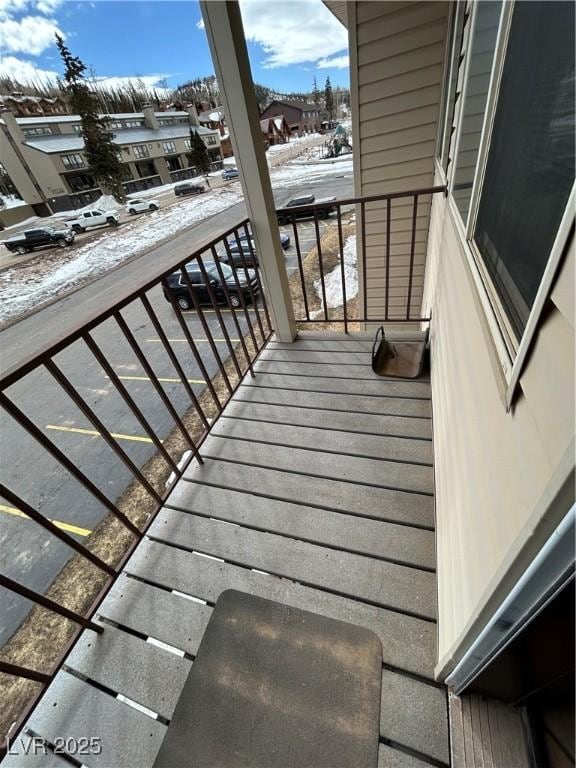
<point>27,553</point>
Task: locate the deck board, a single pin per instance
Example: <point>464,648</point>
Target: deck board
<point>129,665</point>
<point>398,543</point>
<point>354,469</point>
<point>316,491</point>
<point>359,423</point>
<point>407,642</point>
<point>378,582</point>
<point>349,404</point>
<point>334,495</point>
<point>400,449</point>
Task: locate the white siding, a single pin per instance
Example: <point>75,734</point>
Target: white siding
<point>493,469</point>
<point>400,53</point>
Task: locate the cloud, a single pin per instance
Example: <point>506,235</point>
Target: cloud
<point>31,34</point>
<point>24,71</point>
<point>149,81</point>
<point>293,33</point>
<point>47,6</point>
<point>10,7</point>
<point>338,62</point>
<point>200,24</point>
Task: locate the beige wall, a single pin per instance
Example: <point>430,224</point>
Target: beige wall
<point>397,54</point>
<point>494,470</point>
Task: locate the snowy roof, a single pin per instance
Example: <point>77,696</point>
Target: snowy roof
<point>70,142</point>
<point>39,119</point>
<point>211,116</point>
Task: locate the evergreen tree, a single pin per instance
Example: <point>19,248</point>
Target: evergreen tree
<point>102,155</point>
<point>198,156</point>
<point>315,92</point>
<point>329,100</point>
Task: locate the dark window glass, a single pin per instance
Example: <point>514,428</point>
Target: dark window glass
<point>530,168</point>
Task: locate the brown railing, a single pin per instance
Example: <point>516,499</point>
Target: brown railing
<point>203,283</point>
<point>389,274</point>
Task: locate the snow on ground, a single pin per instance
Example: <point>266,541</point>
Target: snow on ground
<point>10,201</point>
<point>293,142</point>
<point>21,290</point>
<point>296,173</point>
<point>333,280</point>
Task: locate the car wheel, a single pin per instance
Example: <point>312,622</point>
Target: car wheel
<point>132,212</point>
<point>21,250</point>
<point>322,214</point>
<point>61,243</point>
<point>183,302</point>
<point>282,221</point>
<point>153,207</point>
<point>235,300</point>
<point>111,221</point>
<point>77,228</point>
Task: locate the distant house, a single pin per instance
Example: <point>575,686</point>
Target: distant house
<point>215,119</point>
<point>300,117</point>
<point>275,130</point>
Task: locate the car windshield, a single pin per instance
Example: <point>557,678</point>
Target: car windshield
<point>226,271</point>
<point>48,229</point>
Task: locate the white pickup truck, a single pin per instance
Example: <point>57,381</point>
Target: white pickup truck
<point>94,218</point>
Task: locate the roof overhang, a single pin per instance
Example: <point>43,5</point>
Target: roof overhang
<point>338,8</point>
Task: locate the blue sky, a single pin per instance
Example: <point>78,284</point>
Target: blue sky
<point>289,42</point>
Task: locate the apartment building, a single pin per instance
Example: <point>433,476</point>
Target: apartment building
<point>44,157</point>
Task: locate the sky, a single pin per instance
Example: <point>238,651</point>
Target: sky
<point>289,42</point>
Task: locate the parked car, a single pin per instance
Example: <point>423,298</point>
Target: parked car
<point>188,188</point>
<point>323,208</point>
<point>94,218</point>
<point>176,286</point>
<point>284,240</point>
<point>31,239</point>
<point>140,206</point>
<point>230,173</point>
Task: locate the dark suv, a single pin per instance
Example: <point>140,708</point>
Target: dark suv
<point>188,188</point>
<point>175,285</point>
<point>39,238</point>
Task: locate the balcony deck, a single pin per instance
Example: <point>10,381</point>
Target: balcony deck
<point>316,491</point>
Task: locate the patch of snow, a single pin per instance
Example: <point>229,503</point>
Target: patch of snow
<point>32,221</point>
<point>294,173</point>
<point>93,259</point>
<point>11,201</point>
<point>104,203</point>
<point>333,280</point>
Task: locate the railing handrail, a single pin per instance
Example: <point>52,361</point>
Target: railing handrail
<point>364,199</point>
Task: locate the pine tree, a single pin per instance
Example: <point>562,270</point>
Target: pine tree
<point>198,156</point>
<point>315,93</point>
<point>102,154</point>
<point>329,100</point>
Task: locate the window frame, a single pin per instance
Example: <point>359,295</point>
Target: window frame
<point>141,151</point>
<point>76,166</point>
<point>451,60</point>
<point>512,352</point>
<point>171,151</point>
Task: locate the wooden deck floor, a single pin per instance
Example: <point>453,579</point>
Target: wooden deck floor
<point>317,491</point>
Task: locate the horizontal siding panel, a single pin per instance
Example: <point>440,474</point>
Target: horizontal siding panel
<point>404,184</point>
<point>411,17</point>
<point>403,225</point>
<point>401,64</point>
<point>401,208</point>
<point>398,170</point>
<point>417,151</point>
<point>367,11</point>
<point>399,139</point>
<point>403,102</point>
<point>411,118</point>
<point>392,86</point>
<point>412,40</point>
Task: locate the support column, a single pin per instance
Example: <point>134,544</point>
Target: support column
<point>230,58</point>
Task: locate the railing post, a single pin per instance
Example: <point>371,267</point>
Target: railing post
<point>230,57</point>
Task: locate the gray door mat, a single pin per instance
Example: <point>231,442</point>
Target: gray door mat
<point>277,687</point>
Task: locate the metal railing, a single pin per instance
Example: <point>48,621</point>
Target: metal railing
<point>385,263</point>
<point>234,291</point>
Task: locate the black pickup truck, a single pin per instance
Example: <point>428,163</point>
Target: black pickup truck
<point>305,207</point>
<point>30,239</point>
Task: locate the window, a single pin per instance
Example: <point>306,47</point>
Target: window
<point>211,141</point>
<point>530,166</point>
<point>165,122</point>
<point>141,150</point>
<point>73,161</point>
<point>168,147</point>
<point>188,144</point>
<point>116,124</point>
<point>450,91</point>
<point>42,130</point>
<point>76,128</point>
<point>133,124</point>
<point>480,57</point>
